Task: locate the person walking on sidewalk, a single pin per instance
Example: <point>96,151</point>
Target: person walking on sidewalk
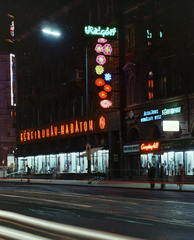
<point>162,176</point>
<point>28,173</point>
<point>181,176</point>
<point>152,176</point>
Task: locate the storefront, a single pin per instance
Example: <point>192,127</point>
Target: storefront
<point>74,162</point>
<point>169,154</point>
<point>62,146</point>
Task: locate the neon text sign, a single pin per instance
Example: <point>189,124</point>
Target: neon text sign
<point>98,31</point>
<point>65,129</point>
<point>149,146</point>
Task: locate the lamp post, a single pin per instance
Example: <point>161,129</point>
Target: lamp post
<point>88,146</point>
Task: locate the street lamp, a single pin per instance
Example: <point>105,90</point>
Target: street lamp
<point>48,31</point>
<point>88,146</point>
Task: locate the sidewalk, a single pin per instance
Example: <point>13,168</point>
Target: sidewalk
<point>169,186</point>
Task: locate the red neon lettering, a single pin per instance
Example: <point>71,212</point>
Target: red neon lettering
<point>85,126</point>
<point>28,136</point>
<point>52,131</point>
<point>39,136</point>
<point>32,135</point>
<point>25,136</point>
<point>43,133</point>
<point>71,128</point>
<point>80,124</point>
<point>76,127</point>
<point>56,130</point>
<point>21,137</point>
<point>149,146</point>
<point>66,129</point>
<point>91,126</point>
<point>62,129</point>
<point>47,132</point>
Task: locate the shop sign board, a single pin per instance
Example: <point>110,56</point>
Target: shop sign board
<point>155,114</point>
<point>169,145</point>
<point>146,147</point>
<point>131,148</point>
<point>188,143</point>
<point>151,115</point>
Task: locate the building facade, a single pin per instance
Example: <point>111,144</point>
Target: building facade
<point>148,62</point>
<point>7,111</point>
<point>59,110</point>
<point>159,88</point>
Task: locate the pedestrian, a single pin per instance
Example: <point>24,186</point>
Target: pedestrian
<point>28,173</point>
<point>181,176</point>
<point>162,176</point>
<point>152,176</point>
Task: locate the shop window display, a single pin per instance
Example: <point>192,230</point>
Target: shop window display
<point>65,163</point>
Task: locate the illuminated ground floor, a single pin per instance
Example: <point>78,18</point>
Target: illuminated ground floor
<point>170,161</point>
<point>74,162</point>
<point>171,154</point>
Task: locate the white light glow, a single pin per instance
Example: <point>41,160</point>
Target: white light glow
<point>51,32</point>
<point>171,126</point>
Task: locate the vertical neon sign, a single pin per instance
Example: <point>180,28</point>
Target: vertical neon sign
<point>12,79</point>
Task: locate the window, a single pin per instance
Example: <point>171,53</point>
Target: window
<point>163,82</point>
<point>177,81</point>
<point>130,44</point>
<point>131,91</point>
<point>150,86</point>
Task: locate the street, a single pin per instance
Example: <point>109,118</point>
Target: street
<point>134,213</point>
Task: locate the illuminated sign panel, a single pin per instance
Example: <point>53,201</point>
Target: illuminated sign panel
<point>61,130</point>
<point>98,31</point>
<point>170,126</point>
<point>12,79</point>
<point>148,115</point>
<point>170,111</point>
<point>149,146</point>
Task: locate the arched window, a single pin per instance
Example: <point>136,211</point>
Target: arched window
<point>150,86</point>
<point>163,82</point>
<point>177,81</point>
<point>131,91</point>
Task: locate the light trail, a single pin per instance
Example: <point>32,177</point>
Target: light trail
<point>46,200</point>
<point>63,228</point>
<point>16,234</point>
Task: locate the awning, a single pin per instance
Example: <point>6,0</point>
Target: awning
<point>93,150</point>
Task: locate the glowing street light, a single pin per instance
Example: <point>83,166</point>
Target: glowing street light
<point>51,32</point>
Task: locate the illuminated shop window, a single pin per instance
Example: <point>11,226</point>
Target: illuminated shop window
<point>150,86</point>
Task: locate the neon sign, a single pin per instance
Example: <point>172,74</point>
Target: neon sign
<point>62,129</point>
<point>99,48</point>
<point>98,31</point>
<point>105,103</point>
<point>100,82</point>
<point>107,76</point>
<point>99,69</point>
<point>107,49</point>
<point>102,40</point>
<point>149,146</point>
<point>102,122</point>
<point>100,59</point>
<point>12,29</point>
<point>171,111</point>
